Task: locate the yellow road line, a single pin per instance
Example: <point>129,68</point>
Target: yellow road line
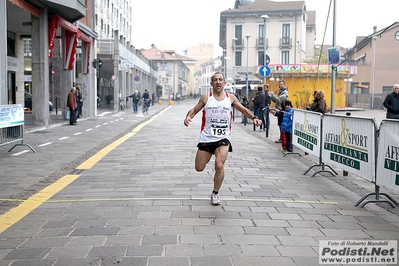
<point>89,163</point>
<point>15,214</point>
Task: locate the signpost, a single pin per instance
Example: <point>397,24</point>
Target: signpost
<point>97,64</point>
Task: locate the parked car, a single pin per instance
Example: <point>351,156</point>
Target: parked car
<point>28,102</point>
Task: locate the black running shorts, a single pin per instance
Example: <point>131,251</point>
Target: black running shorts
<point>212,146</point>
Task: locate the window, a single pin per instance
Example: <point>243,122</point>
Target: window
<point>27,43</point>
<point>286,34</point>
<point>11,44</point>
<point>285,57</point>
<point>238,58</point>
<point>238,34</point>
<point>261,58</point>
<point>261,34</point>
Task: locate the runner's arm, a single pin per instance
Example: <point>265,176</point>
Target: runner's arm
<point>198,107</point>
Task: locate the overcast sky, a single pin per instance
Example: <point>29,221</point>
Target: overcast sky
<point>185,23</point>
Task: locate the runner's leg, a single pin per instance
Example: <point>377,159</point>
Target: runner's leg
<point>201,159</point>
<point>220,158</point>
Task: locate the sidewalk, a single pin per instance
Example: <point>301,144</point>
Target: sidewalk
<point>131,196</point>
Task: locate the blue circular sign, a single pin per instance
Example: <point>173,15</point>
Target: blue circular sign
<point>264,71</point>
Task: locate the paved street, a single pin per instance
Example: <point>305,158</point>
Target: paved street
<point>121,189</point>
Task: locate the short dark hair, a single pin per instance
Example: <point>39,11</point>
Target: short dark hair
<point>216,73</point>
<point>288,102</point>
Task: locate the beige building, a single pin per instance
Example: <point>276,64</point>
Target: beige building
<point>376,57</point>
<point>171,69</point>
<point>286,30</point>
<point>201,53</point>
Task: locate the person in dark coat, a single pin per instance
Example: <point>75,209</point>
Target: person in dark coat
<point>319,103</point>
<point>391,102</point>
<point>73,105</point>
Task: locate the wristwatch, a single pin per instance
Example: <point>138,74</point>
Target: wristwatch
<point>255,117</point>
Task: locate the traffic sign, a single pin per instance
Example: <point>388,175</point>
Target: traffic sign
<point>97,62</point>
<point>264,71</point>
<point>267,59</point>
<point>333,55</point>
<point>136,78</point>
<point>113,77</point>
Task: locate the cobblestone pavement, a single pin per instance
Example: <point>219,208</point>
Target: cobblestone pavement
<point>121,189</point>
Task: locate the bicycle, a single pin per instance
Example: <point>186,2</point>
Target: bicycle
<point>146,105</point>
<point>121,105</point>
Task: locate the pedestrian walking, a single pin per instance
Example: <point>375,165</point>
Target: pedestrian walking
<point>391,102</point>
<point>215,135</point>
<point>79,100</point>
<point>72,105</point>
<point>266,109</point>
<point>135,99</point>
<point>245,103</point>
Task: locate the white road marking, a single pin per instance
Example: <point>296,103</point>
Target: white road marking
<point>63,138</point>
<point>89,129</point>
<point>19,153</point>
<point>79,133</point>
<point>45,144</point>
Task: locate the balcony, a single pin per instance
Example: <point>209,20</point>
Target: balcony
<point>260,43</point>
<point>239,44</point>
<point>285,42</point>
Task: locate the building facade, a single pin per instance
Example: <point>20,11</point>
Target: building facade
<point>124,69</point>
<point>172,71</point>
<point>376,57</point>
<point>28,54</point>
<point>284,30</point>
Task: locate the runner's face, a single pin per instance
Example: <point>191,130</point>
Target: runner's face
<point>218,82</point>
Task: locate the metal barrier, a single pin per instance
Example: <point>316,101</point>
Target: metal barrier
<point>352,144</point>
<point>12,126</point>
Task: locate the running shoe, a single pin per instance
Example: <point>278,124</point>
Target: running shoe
<point>215,199</point>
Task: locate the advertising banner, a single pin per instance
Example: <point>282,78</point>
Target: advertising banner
<point>388,155</point>
<point>11,115</point>
<point>306,128</point>
<point>348,143</point>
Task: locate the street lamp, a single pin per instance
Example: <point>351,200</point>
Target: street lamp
<point>247,36</point>
<point>234,62</point>
<point>373,75</point>
<point>347,81</point>
<point>224,60</point>
<point>265,17</point>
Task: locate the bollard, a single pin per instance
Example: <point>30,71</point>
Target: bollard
<point>345,173</point>
<point>171,102</point>
<point>159,102</point>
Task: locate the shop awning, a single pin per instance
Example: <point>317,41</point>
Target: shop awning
<point>72,34</point>
<point>26,6</point>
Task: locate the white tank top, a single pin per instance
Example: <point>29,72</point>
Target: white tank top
<point>216,119</point>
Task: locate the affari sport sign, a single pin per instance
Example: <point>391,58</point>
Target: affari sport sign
<point>388,155</point>
<point>348,143</point>
<point>306,129</point>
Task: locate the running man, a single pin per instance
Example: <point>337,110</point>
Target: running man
<point>215,134</point>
